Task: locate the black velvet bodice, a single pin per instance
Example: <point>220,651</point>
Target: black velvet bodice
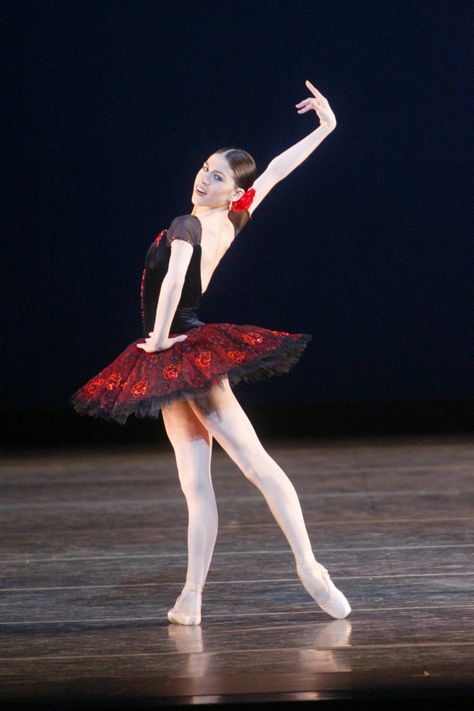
<point>188,228</point>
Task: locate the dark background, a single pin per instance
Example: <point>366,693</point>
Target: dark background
<point>111,107</point>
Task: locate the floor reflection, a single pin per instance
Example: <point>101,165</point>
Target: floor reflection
<point>188,640</point>
<point>324,657</point>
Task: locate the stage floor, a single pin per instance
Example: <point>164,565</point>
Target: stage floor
<point>93,553</point>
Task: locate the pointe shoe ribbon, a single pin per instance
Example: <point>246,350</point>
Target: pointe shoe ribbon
<point>178,616</point>
<point>336,604</point>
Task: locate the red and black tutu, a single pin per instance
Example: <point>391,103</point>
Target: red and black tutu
<point>139,383</point>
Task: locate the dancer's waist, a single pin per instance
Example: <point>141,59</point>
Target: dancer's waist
<point>184,319</point>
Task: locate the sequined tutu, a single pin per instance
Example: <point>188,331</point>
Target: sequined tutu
<point>140,383</point>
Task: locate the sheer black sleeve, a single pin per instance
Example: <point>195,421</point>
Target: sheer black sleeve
<point>184,227</point>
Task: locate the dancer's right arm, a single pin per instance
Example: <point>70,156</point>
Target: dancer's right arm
<point>170,294</point>
<point>284,163</point>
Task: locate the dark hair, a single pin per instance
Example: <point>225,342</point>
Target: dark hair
<point>243,166</point>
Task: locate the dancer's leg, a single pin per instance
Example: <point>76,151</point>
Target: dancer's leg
<point>223,417</point>
<point>192,445</point>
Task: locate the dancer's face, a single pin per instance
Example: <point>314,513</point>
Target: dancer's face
<point>214,184</point>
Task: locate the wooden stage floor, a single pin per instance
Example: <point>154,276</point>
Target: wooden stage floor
<point>93,553</point>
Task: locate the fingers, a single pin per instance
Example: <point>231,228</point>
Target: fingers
<point>306,105</point>
<point>145,347</point>
<point>151,349</point>
<point>313,90</point>
<point>317,102</point>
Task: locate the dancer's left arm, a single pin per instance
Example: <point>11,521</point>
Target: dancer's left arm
<point>287,161</point>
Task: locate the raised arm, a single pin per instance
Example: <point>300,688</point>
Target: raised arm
<point>285,162</point>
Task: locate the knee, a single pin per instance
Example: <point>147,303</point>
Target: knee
<point>253,464</point>
<point>196,486</point>
<point>193,469</point>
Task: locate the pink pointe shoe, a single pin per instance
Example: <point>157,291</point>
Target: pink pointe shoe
<point>334,602</point>
<point>192,615</point>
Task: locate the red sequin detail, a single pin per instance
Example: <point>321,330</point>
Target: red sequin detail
<point>159,237</point>
<point>139,389</point>
<point>141,383</point>
<point>203,360</point>
<point>113,381</point>
<point>93,387</point>
<point>183,239</point>
<point>142,305</point>
<point>171,371</point>
<point>252,338</point>
<point>236,356</point>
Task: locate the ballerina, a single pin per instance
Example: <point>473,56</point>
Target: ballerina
<point>186,369</point>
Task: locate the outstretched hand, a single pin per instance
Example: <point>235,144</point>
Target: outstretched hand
<point>320,104</point>
<point>151,346</point>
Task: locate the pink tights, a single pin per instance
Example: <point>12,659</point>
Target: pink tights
<point>190,426</point>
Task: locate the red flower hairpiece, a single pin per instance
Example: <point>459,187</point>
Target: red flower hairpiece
<point>244,202</point>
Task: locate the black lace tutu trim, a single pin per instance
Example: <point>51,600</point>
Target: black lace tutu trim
<point>140,383</point>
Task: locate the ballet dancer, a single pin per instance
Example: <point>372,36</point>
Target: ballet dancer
<point>186,369</point>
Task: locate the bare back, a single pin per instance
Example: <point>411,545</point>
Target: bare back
<point>214,244</point>
<point>216,238</point>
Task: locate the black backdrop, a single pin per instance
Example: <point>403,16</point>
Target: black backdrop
<point>111,107</point>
